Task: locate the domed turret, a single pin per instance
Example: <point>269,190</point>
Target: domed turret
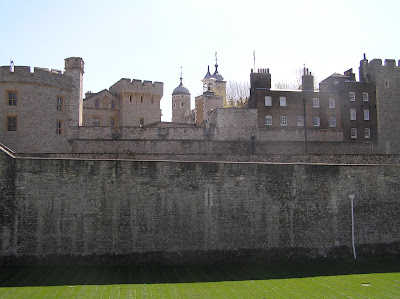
<point>180,102</point>
<point>181,89</point>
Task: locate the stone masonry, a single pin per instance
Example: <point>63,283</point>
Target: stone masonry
<point>190,211</point>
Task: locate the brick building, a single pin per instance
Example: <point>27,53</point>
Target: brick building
<point>343,110</point>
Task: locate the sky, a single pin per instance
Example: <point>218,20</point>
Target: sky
<point>151,40</point>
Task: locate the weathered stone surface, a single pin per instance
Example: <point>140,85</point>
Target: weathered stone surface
<point>217,211</point>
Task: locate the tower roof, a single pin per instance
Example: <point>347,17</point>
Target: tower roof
<point>208,75</point>
<point>181,89</point>
<point>217,75</point>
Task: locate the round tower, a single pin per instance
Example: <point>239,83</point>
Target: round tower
<point>74,67</point>
<point>180,102</point>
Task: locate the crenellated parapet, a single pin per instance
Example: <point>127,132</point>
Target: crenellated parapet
<point>41,76</point>
<point>138,86</point>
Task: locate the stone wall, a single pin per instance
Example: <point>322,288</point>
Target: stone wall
<point>182,211</point>
<point>36,109</point>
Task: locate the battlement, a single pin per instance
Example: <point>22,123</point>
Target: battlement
<point>389,63</point>
<point>74,63</point>
<point>43,76</point>
<point>138,86</point>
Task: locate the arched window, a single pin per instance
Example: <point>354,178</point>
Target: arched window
<point>112,104</point>
<point>96,103</point>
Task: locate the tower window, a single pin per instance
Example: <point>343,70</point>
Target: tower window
<point>353,133</point>
<point>59,127</point>
<point>367,133</point>
<point>141,122</point>
<point>130,98</point>
<point>181,96</point>
<point>181,104</point>
<point>353,114</point>
<point>174,105</point>
<point>268,101</point>
<point>268,120</point>
<point>332,121</point>
<point>366,114</point>
<point>96,121</point>
<point>59,104</point>
<point>12,98</point>
<point>11,123</point>
<point>300,121</point>
<point>141,99</point>
<point>332,103</point>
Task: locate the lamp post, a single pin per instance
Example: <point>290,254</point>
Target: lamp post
<point>352,197</point>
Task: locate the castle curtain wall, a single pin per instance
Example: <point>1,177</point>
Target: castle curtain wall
<point>171,210</point>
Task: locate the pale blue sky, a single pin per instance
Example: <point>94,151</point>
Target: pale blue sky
<point>151,40</point>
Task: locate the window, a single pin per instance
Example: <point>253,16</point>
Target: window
<point>335,82</point>
<point>300,121</point>
<point>387,83</point>
<point>11,123</point>
<point>353,114</point>
<point>316,121</point>
<point>141,99</point>
<point>282,101</point>
<point>96,121</point>
<point>268,120</point>
<point>352,96</point>
<point>182,96</point>
<point>332,103</point>
<point>141,122</point>
<point>112,104</point>
<point>12,98</point>
<point>174,105</point>
<point>59,127</point>
<point>332,122</point>
<point>367,133</point>
<point>112,122</point>
<point>366,114</point>
<point>130,98</point>
<point>96,104</point>
<point>353,133</point>
<point>283,120</point>
<point>365,97</point>
<point>181,104</point>
<point>315,103</point>
<point>59,104</point>
<point>268,101</point>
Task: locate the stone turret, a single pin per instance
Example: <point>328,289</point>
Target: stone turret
<point>74,67</point>
<point>180,102</point>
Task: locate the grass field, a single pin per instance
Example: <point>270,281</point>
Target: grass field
<point>366,278</point>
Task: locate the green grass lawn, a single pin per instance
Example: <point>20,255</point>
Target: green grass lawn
<point>364,278</point>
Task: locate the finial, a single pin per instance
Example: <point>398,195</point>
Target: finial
<point>181,75</point>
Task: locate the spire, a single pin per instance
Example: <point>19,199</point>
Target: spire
<point>181,78</point>
<point>217,75</point>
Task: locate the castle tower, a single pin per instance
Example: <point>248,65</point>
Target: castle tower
<point>74,66</point>
<point>180,102</point>
<point>220,84</point>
